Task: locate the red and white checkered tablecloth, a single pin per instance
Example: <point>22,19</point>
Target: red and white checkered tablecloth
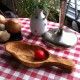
<point>12,69</point>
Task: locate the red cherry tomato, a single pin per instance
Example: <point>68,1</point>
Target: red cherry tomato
<point>39,54</point>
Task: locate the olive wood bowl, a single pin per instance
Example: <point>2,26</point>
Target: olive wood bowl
<point>25,53</point>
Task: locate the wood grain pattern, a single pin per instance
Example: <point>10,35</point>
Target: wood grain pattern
<point>24,52</point>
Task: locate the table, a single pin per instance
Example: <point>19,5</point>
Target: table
<point>11,68</point>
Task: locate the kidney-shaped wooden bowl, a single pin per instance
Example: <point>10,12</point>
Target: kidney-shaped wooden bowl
<point>25,53</point>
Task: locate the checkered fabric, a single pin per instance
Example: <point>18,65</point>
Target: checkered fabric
<point>12,69</point>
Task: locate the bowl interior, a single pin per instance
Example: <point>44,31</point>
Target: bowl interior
<point>25,51</point>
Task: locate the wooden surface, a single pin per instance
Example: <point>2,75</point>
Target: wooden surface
<point>25,53</point>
